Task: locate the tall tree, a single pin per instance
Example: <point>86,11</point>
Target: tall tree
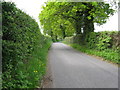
<point>79,14</point>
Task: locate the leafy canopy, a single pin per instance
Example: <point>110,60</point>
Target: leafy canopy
<point>73,16</point>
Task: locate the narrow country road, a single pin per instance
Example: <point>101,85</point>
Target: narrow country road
<point>73,69</point>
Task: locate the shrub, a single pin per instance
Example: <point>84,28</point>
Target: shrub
<point>102,40</point>
<point>23,49</point>
<point>105,44</point>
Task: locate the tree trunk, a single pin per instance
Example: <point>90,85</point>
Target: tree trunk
<point>63,31</point>
<point>56,38</point>
<point>78,26</point>
<point>88,23</point>
<point>78,22</point>
<point>52,35</point>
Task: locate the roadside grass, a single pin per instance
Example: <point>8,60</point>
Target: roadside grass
<point>29,72</point>
<point>108,54</point>
<point>102,44</point>
<point>34,70</point>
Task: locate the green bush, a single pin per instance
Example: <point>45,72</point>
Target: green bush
<point>108,54</point>
<point>91,39</point>
<point>105,44</point>
<point>101,40</point>
<point>24,49</point>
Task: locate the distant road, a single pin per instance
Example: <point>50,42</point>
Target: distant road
<point>73,69</point>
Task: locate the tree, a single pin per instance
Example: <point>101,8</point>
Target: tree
<point>82,15</point>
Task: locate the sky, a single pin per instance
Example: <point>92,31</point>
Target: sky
<point>33,8</point>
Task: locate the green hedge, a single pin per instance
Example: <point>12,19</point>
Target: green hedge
<point>109,54</point>
<point>97,40</point>
<point>105,44</point>
<point>24,49</point>
<point>103,40</point>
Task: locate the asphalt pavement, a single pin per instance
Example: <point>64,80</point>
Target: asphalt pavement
<point>73,69</point>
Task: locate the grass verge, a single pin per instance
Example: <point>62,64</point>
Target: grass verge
<point>35,69</point>
<point>108,54</point>
<point>29,72</point>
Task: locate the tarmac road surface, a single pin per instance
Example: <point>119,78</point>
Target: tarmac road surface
<point>73,69</point>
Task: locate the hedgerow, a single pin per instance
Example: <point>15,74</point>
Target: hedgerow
<point>24,49</point>
<point>103,40</point>
<point>105,44</point>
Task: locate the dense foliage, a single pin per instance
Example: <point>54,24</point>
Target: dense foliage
<point>105,44</point>
<point>103,40</point>
<point>62,19</point>
<point>24,49</point>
